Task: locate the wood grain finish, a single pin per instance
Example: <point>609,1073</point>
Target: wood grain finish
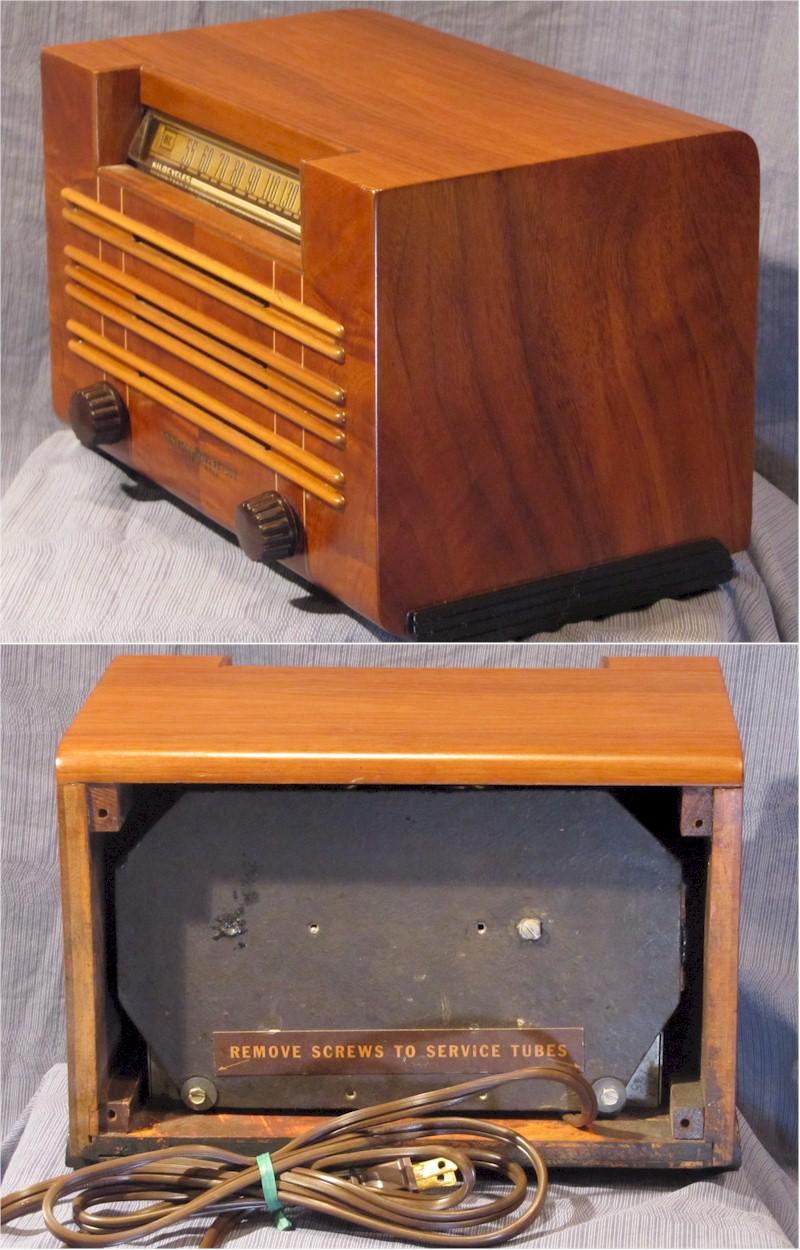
<point>611,415</point>
<point>198,260</point>
<point>84,965</point>
<point>720,976</point>
<point>422,104</point>
<point>95,280</point>
<point>167,720</point>
<point>199,720</point>
<point>548,290</point>
<point>633,1141</point>
<point>236,430</point>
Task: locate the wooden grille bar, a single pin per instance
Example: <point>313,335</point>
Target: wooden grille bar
<point>249,347</point>
<point>199,260</point>
<point>202,360</point>
<point>248,304</point>
<point>309,471</point>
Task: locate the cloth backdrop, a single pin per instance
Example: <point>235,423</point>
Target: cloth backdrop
<point>121,562</point>
<point>43,689</point>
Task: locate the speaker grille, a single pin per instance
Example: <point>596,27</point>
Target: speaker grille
<point>265,376</point>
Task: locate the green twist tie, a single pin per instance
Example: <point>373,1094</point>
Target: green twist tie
<point>270,1188</point>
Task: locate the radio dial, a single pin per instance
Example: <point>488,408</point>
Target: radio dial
<point>98,415</point>
<point>268,528</point>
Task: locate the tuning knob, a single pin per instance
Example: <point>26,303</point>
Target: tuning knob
<point>267,527</point>
<point>98,415</point>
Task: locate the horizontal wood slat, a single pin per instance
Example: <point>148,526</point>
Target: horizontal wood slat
<point>197,416</point>
<point>206,364</point>
<point>199,260</point>
<point>146,252</point>
<point>105,278</point>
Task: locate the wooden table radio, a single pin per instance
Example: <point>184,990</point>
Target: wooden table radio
<point>431,874</point>
<point>463,340</point>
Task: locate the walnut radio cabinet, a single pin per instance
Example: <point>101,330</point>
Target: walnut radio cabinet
<point>465,341</point>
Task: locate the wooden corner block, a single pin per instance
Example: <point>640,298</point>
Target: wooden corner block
<point>697,812</point>
<point>108,807</point>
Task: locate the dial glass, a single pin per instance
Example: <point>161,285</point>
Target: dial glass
<point>216,170</point>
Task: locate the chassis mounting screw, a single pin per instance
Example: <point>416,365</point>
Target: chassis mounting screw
<point>530,928</point>
<point>199,1093</point>
<point>611,1095</point>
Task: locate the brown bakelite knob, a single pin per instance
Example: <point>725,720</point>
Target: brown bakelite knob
<point>267,527</point>
<point>98,415</point>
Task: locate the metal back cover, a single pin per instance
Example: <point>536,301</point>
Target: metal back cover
<point>257,908</point>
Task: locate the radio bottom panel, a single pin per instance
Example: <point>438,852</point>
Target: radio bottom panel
<point>298,948</point>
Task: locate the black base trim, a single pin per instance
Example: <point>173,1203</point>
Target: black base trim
<point>537,607</point>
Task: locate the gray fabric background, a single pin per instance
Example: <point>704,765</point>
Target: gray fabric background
<point>43,688</point>
<point>734,62</point>
<point>122,563</point>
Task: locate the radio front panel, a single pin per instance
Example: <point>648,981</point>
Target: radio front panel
<point>199,338</point>
<point>234,372</point>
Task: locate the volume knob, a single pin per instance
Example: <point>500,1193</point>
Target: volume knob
<point>267,527</point>
<point>98,415</point>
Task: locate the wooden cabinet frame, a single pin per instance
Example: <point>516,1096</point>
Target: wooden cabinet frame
<point>116,733</point>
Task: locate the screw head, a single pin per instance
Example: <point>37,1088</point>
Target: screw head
<point>611,1095</point>
<point>530,928</point>
<point>199,1093</point>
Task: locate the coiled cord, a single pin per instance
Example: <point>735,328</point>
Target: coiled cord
<point>382,1168</point>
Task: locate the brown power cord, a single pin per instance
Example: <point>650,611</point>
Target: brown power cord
<point>383,1168</point>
